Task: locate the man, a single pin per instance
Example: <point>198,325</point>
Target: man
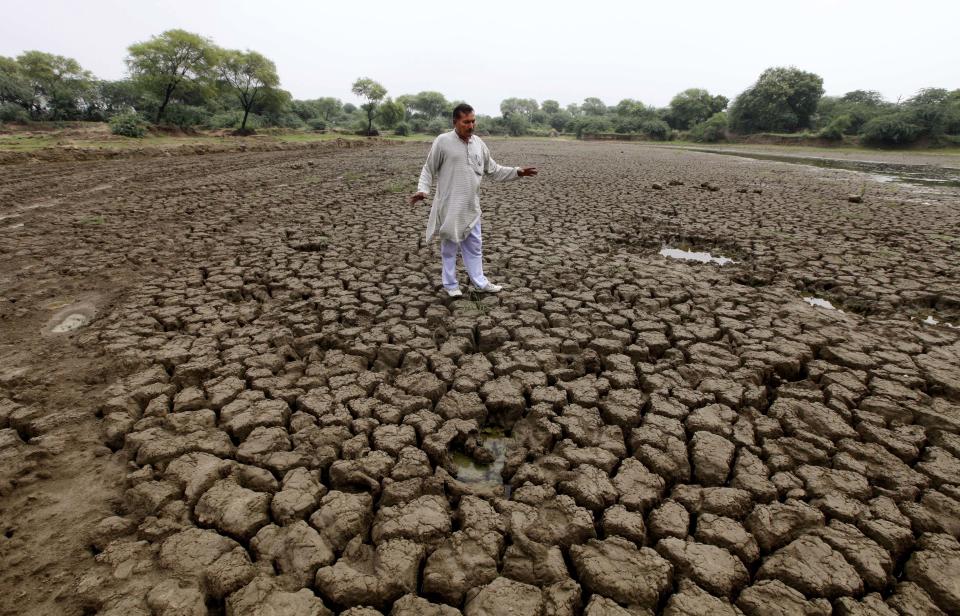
<point>458,160</point>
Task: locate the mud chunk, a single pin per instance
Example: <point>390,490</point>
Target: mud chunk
<point>195,473</point>
<point>637,488</point>
<point>559,521</point>
<point>870,605</point>
<point>459,405</point>
<point>233,510</point>
<point>296,551</point>
<point>393,438</point>
<point>617,569</point>
<point>171,598</point>
<point>935,567</point>
<point>729,534</point>
<point>811,566</point>
<point>777,524</point>
<point>909,599</point>
<point>774,597</point>
<point>618,520</point>
<point>412,605</point>
<point>504,400</point>
<point>263,597</point>
<point>343,516</point>
<point>365,575</point>
<point>476,513</point>
<point>712,456</point>
<point>422,384</point>
<point>505,596</point>
<point>299,497</point>
<point>220,564</point>
<point>589,486</point>
<point>671,519</point>
<point>465,560</point>
<point>425,520</point>
<point>711,567</point>
<point>694,601</point>
<point>872,562</point>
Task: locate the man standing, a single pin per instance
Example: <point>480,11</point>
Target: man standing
<point>458,161</point>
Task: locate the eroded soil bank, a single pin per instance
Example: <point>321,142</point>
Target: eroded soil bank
<point>270,399</point>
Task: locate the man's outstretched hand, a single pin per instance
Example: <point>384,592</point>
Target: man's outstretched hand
<point>417,197</point>
<point>526,172</point>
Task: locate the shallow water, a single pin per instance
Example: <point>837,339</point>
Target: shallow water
<point>819,302</point>
<point>71,322</point>
<point>688,255</point>
<point>924,175</point>
<point>471,471</point>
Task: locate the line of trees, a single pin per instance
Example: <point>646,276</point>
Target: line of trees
<point>184,79</point>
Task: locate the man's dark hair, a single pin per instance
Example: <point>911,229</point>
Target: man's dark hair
<point>461,110</point>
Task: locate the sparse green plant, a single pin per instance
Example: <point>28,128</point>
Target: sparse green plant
<point>128,125</point>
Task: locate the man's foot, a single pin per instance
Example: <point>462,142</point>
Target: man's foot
<point>490,288</point>
<point>454,292</point>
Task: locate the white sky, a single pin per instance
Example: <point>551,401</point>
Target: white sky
<point>483,52</point>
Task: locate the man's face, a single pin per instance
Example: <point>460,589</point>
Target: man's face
<point>465,124</point>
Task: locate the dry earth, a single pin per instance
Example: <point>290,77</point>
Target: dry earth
<point>268,412</point>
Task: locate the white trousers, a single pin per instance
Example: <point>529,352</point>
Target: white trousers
<point>471,248</point>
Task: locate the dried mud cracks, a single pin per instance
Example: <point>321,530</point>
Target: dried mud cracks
<point>683,439</point>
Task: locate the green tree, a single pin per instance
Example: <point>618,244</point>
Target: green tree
<point>693,106</point>
<point>593,106</point>
<point>550,106</point>
<point>374,93</point>
<point>427,104</point>
<point>524,107</point>
<point>863,97</point>
<point>14,86</point>
<point>390,113</point>
<point>249,76</point>
<point>169,62</point>
<point>61,87</point>
<point>782,99</point>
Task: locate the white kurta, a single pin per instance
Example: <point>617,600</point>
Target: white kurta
<point>458,168</point>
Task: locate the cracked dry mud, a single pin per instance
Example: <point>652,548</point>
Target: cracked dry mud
<point>266,414</point>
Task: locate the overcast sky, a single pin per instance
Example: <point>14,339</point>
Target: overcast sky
<point>483,52</point>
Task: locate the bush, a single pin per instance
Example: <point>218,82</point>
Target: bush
<point>186,116</point>
<point>892,129</point>
<point>10,112</point>
<point>836,128</point>
<point>711,130</point>
<point>438,125</point>
<point>658,130</point>
<point>402,129</point>
<point>318,124</point>
<point>128,125</point>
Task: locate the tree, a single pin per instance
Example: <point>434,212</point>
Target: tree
<point>14,86</point>
<point>169,61</point>
<point>374,93</point>
<point>693,106</point>
<point>249,76</point>
<point>863,97</point>
<point>593,106</point>
<point>782,99</point>
<point>60,86</point>
<point>550,106</point>
<point>427,104</point>
<point>524,107</point>
<point>390,113</point>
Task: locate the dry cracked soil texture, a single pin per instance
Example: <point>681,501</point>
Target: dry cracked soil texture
<point>270,407</point>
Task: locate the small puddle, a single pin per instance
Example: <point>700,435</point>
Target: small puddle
<point>819,302</point>
<point>70,318</point>
<point>923,175</point>
<point>469,470</point>
<point>688,255</point>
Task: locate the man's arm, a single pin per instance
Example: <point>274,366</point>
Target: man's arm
<point>428,173</point>
<point>504,174</point>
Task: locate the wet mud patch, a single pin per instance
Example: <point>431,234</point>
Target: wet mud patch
<point>70,319</point>
<point>484,464</point>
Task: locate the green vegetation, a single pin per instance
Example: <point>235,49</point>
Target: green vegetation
<point>183,79</point>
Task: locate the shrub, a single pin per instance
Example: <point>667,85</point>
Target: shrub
<point>836,128</point>
<point>658,130</point>
<point>892,129</point>
<point>128,125</point>
<point>186,116</point>
<point>318,124</point>
<point>438,125</point>
<point>711,130</point>
<point>402,129</point>
<point>10,112</point>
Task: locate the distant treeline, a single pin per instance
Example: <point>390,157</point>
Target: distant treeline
<point>183,79</point>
